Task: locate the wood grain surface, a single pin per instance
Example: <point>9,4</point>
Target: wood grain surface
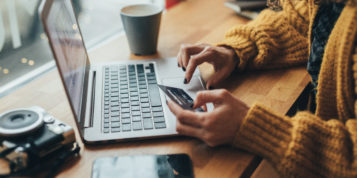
<point>192,21</point>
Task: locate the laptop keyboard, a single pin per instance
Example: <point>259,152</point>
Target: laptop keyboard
<point>131,99</point>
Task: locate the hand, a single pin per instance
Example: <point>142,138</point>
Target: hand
<point>216,127</point>
<point>223,59</point>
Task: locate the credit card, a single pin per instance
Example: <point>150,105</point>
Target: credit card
<point>180,97</point>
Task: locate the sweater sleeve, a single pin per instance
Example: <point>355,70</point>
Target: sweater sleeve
<point>273,39</point>
<point>304,145</point>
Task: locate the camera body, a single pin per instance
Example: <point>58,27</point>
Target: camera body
<point>31,135</point>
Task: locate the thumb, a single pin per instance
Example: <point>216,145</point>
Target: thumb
<point>207,96</point>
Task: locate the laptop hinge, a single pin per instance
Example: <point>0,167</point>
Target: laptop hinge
<point>90,107</point>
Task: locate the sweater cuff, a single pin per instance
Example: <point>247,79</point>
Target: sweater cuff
<point>264,133</point>
<point>245,50</point>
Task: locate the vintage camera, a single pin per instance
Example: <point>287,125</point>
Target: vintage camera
<point>31,136</point>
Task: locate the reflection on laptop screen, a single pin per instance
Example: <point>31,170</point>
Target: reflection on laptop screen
<point>68,49</point>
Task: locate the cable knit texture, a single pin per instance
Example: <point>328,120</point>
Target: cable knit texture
<point>323,144</point>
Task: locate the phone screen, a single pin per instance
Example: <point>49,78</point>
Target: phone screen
<point>143,166</point>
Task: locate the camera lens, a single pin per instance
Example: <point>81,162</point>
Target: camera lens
<point>17,118</point>
<point>19,122</point>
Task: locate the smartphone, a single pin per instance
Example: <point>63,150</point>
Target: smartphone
<point>143,166</point>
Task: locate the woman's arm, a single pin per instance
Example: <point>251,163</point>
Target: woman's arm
<point>274,39</point>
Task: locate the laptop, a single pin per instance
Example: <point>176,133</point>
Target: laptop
<point>115,101</point>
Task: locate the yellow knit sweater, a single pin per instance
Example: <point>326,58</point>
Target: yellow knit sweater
<point>323,144</point>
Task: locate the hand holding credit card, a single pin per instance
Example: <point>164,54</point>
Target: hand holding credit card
<point>180,97</point>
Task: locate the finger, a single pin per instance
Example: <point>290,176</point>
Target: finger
<point>188,51</point>
<point>208,96</point>
<point>188,130</point>
<point>205,107</point>
<point>215,79</point>
<point>200,58</point>
<point>185,116</point>
<point>179,58</point>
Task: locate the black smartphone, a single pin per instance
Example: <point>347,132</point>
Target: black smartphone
<point>143,166</point>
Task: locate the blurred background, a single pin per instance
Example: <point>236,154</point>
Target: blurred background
<point>24,50</point>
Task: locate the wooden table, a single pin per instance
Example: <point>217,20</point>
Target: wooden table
<point>192,21</point>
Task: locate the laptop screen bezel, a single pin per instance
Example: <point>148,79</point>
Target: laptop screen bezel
<point>44,10</point>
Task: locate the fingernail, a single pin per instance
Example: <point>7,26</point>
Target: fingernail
<point>185,81</point>
<point>210,88</point>
<point>184,69</point>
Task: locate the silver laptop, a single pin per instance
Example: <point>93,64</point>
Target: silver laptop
<point>111,101</point>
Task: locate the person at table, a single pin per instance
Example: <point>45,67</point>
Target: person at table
<point>318,143</point>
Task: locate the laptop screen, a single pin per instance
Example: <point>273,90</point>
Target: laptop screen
<point>68,49</point>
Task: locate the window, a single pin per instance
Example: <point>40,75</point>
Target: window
<point>24,50</point>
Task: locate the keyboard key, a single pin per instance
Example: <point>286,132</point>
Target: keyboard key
<point>125,115</point>
<point>133,86</point>
<point>125,110</point>
<point>106,111</point>
<point>145,105</point>
<point>142,82</point>
<point>136,118</point>
<point>148,124</point>
<point>142,86</point>
<point>125,121</point>
<point>140,67</point>
<point>117,129</point>
<point>133,93</point>
<point>113,114</point>
<point>159,119</point>
<point>155,109</point>
<point>115,124</point>
<point>106,125</point>
<point>160,125</point>
<point>125,91</point>
<point>154,95</point>
<point>146,110</point>
<point>134,98</point>
<point>126,95</point>
<point>106,130</point>
<point>135,108</point>
<point>115,109</point>
<point>125,105</point>
<point>144,95</point>
<point>124,100</point>
<point>114,94</point>
<point>114,105</point>
<point>135,103</point>
<point>143,91</point>
<point>144,100</point>
<point>152,82</point>
<point>158,114</point>
<point>146,115</point>
<point>135,113</point>
<point>114,98</point>
<point>133,90</point>
<point>126,127</point>
<point>106,120</point>
<point>137,126</point>
<point>115,119</point>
